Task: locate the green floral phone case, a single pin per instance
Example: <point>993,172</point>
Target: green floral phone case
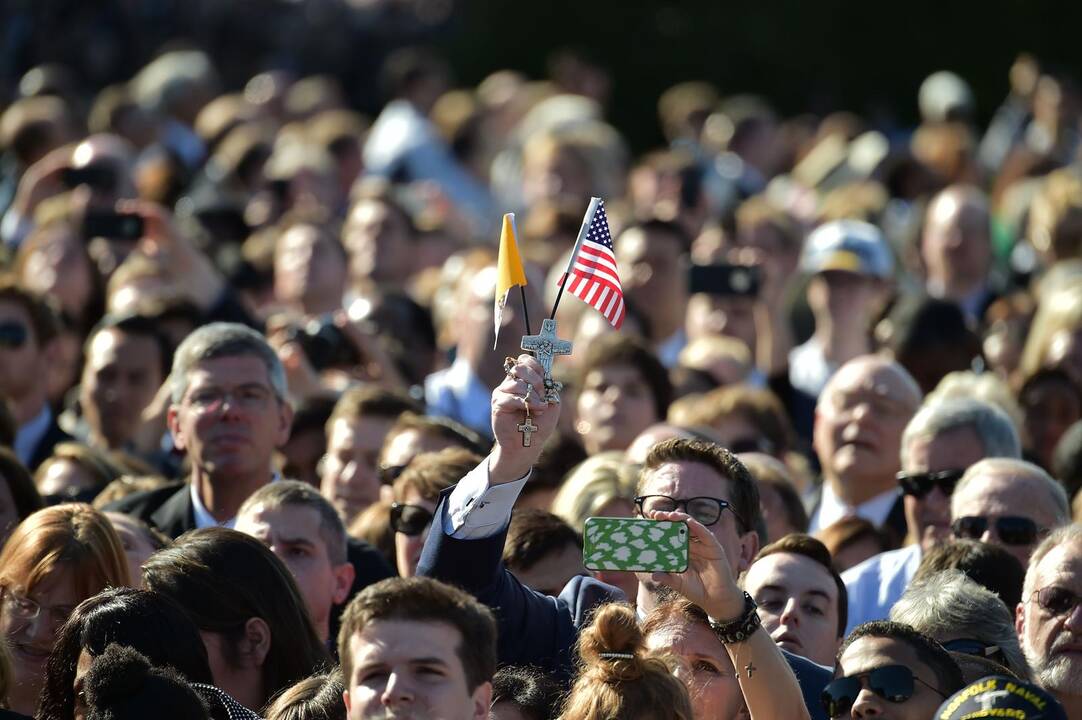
<point>635,544</point>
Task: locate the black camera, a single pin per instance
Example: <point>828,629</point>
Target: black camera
<point>324,344</point>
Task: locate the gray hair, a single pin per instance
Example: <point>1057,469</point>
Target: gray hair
<point>992,426</point>
<point>299,494</point>
<point>1057,496</point>
<point>950,605</point>
<point>222,339</point>
<point>1068,534</point>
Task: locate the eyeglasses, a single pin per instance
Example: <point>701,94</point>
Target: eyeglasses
<point>893,683</point>
<point>409,519</point>
<point>1057,600</point>
<point>247,397</point>
<point>1011,529</point>
<point>920,484</point>
<point>706,510</point>
<point>977,648</point>
<point>22,608</point>
<point>13,335</point>
<point>389,473</point>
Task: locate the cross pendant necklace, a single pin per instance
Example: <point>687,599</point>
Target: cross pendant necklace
<point>527,428</point>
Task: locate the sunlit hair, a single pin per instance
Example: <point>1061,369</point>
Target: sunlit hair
<point>617,679</point>
<point>593,484</point>
<point>73,536</point>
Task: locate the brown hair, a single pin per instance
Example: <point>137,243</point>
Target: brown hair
<point>622,688</point>
<point>438,427</point>
<point>72,535</point>
<point>421,599</point>
<point>758,211</point>
<point>127,485</point>
<point>534,534</point>
<point>294,493</point>
<point>373,525</point>
<point>760,407</point>
<point>101,468</point>
<point>429,474</point>
<point>43,318</point>
<point>315,698</point>
<point>744,493</point>
<point>369,401</point>
<point>809,547</point>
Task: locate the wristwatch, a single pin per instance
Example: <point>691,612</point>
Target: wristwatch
<point>740,629</point>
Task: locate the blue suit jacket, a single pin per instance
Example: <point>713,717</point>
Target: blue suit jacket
<point>541,630</point>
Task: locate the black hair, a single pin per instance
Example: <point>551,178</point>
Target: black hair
<point>138,326</point>
<point>122,684</point>
<point>990,566</point>
<point>927,650</point>
<point>533,692</point>
<point>149,622</point>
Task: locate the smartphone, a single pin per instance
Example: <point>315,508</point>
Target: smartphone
<point>112,225</point>
<point>96,176</point>
<point>725,280</point>
<point>635,545</point>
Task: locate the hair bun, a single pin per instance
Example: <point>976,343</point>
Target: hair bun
<point>612,646</point>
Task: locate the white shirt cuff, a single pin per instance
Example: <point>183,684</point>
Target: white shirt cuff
<point>478,510</point>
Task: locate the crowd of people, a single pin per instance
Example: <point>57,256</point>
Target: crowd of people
<point>262,449</point>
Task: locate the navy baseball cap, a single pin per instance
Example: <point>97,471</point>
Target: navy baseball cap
<point>999,696</point>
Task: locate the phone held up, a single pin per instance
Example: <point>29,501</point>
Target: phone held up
<point>635,545</point>
<point>725,280</point>
<point>112,225</point>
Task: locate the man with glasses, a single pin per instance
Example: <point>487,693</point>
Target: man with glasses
<point>1010,503</point>
<point>938,444</point>
<point>229,413</point>
<point>858,429</point>
<point>28,332</point>
<point>1049,618</point>
<point>887,669</point>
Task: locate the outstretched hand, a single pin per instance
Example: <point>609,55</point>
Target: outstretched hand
<point>510,459</point>
<point>708,581</point>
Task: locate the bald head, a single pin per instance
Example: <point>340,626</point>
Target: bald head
<point>956,245</point>
<point>859,420</point>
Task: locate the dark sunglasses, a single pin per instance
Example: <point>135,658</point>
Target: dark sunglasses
<point>71,495</point>
<point>920,484</point>
<point>1057,600</point>
<point>409,519</point>
<point>893,683</point>
<point>13,335</point>
<point>1011,529</point>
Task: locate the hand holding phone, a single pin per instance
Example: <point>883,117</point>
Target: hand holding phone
<point>635,545</point>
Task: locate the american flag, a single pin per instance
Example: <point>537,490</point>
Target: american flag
<point>593,277</point>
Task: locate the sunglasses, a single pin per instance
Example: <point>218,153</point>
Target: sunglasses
<point>1011,529</point>
<point>920,484</point>
<point>1057,601</point>
<point>893,683</point>
<point>409,519</point>
<point>13,335</point>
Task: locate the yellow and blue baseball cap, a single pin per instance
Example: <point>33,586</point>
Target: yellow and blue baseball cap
<point>849,245</point>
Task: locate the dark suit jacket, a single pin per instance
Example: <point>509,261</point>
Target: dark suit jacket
<point>12,715</point>
<point>541,630</point>
<point>169,508</point>
<point>894,524</point>
<point>49,440</point>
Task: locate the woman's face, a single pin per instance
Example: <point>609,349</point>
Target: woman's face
<point>703,666</point>
<point>614,406</point>
<point>407,548</point>
<point>29,621</point>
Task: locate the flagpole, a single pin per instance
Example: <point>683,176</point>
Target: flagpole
<point>586,220</point>
<point>521,288</point>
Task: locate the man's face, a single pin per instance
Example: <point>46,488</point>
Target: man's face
<point>229,420</point>
<point>349,477</point>
<point>726,315</point>
<point>1006,495</point>
<point>20,354</point>
<point>1052,641</point>
<point>848,298</point>
<point>654,269</point>
<point>378,241</point>
<point>410,669</point>
<point>292,532</point>
<point>956,246</point>
<point>685,480</point>
<point>120,378</point>
<point>798,604</point>
<point>859,423</point>
<point>307,266</point>
<point>614,405</point>
<point>869,653</point>
<point>929,517</point>
<point>552,572</point>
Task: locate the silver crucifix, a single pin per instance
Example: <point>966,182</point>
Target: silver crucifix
<point>545,346</point>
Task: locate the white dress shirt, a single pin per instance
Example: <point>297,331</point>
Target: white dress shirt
<point>876,584</point>
<point>476,509</point>
<point>203,518</point>
<point>832,509</point>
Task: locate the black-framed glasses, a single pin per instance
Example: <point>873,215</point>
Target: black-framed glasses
<point>920,484</point>
<point>969,646</point>
<point>893,683</point>
<point>13,334</point>
<point>1057,600</point>
<point>409,519</point>
<point>706,510</point>
<point>389,473</point>
<point>1011,529</point>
